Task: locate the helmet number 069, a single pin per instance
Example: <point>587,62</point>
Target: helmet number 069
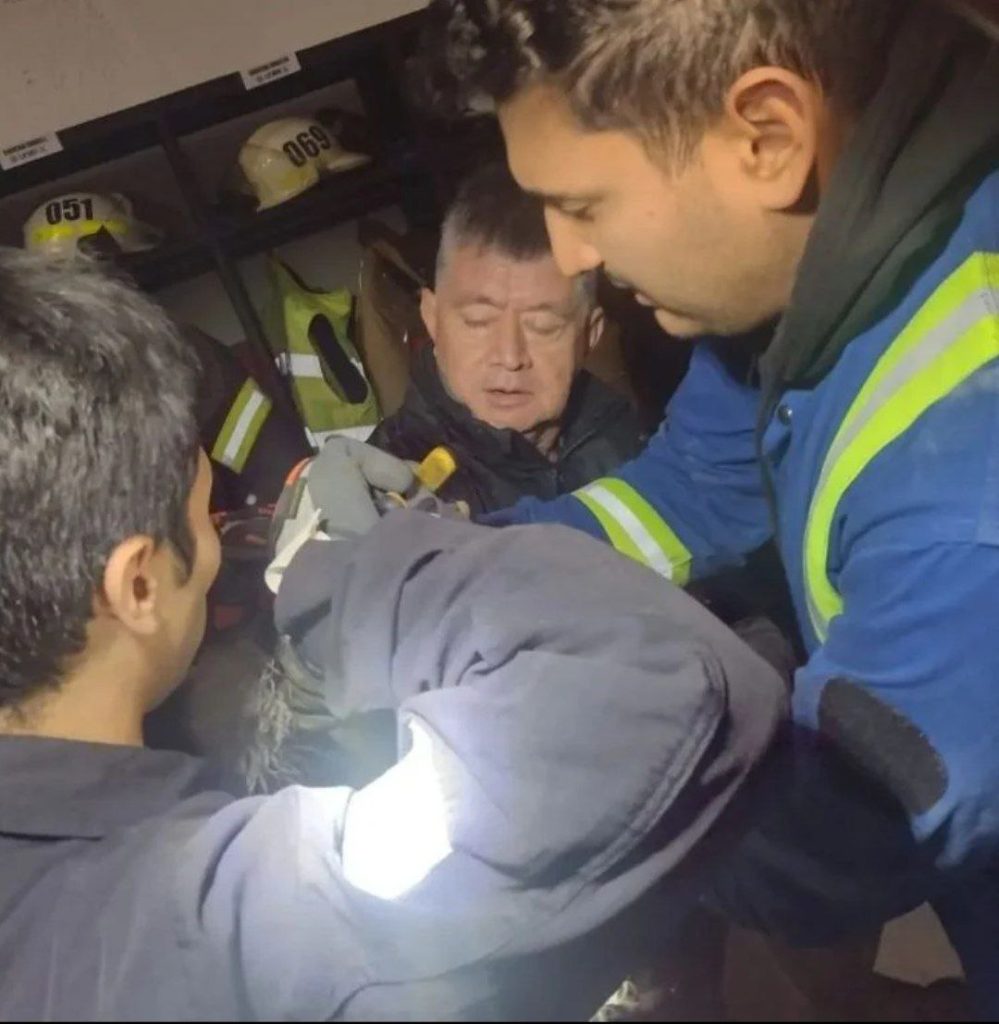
<point>306,144</point>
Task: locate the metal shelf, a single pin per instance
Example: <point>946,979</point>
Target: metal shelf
<point>218,240</point>
<point>167,264</point>
<point>336,199</point>
<point>369,52</point>
<point>341,198</point>
<point>416,164</point>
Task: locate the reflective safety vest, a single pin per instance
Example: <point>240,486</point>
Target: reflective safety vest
<point>954,333</point>
<point>308,333</point>
<point>242,426</point>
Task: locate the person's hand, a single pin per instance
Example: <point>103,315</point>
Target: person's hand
<point>340,483</point>
<point>427,501</point>
<point>332,497</point>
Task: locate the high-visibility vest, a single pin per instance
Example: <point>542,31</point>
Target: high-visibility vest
<point>954,333</point>
<point>308,329</point>
<point>241,427</point>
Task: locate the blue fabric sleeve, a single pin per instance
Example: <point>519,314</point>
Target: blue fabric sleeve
<point>699,473</point>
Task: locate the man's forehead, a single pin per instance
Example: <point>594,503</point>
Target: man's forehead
<point>552,156</point>
<point>475,273</point>
<point>538,125</point>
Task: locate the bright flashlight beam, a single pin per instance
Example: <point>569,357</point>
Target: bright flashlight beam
<point>395,832</point>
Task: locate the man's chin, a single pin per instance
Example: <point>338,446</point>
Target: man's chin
<point>688,328</point>
<point>521,425</point>
<point>680,326</point>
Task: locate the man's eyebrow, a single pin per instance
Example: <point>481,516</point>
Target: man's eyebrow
<point>548,307</point>
<point>564,199</point>
<point>477,299</point>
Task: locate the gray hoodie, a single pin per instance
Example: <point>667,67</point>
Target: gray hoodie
<point>584,732</point>
<point>595,723</point>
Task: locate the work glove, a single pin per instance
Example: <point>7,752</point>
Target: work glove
<point>341,480</point>
<point>337,495</point>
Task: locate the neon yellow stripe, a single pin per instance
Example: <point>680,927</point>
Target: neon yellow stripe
<point>976,271</point>
<point>252,433</point>
<point>975,348</point>
<point>616,534</point>
<point>960,288</point>
<point>238,435</point>
<point>76,229</point>
<point>635,528</point>
<point>672,547</point>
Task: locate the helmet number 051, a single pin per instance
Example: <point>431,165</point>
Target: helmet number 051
<point>71,208</point>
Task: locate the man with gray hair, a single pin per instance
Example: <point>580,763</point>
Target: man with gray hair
<point>502,385</point>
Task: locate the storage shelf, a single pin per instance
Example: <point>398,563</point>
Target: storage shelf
<point>415,164</point>
<point>210,103</point>
<point>340,198</point>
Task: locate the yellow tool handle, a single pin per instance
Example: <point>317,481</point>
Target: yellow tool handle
<point>433,472</point>
<point>436,469</point>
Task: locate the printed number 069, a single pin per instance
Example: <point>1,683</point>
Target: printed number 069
<point>306,144</point>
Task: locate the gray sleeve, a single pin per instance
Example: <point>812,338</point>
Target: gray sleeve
<point>589,727</point>
<point>593,725</point>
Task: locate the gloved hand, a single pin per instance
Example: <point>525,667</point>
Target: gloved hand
<point>340,481</point>
<point>331,497</point>
<point>428,502</point>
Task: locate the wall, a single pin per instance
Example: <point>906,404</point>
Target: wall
<point>69,61</point>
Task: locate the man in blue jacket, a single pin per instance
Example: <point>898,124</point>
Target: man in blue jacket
<point>830,168</point>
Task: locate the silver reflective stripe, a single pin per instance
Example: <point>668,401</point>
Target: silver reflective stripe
<point>655,557</point>
<point>914,362</point>
<point>239,431</point>
<point>917,361</point>
<point>305,366</point>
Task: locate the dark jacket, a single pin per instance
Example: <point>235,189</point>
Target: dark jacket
<point>586,740</point>
<point>498,467</point>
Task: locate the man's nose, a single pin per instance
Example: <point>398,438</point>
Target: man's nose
<point>573,254</point>
<point>510,350</point>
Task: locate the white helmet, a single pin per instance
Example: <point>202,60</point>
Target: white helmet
<point>60,224</point>
<point>284,158</point>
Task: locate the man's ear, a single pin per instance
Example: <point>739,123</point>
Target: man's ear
<point>595,324</point>
<point>773,116</point>
<point>129,590</point>
<point>428,311</point>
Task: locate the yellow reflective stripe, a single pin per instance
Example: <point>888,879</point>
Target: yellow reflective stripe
<point>669,543</point>
<point>976,270</point>
<point>964,301</point>
<point>242,426</point>
<point>616,534</point>
<point>76,229</point>
<point>638,530</point>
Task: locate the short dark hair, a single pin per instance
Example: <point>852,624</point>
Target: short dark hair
<point>98,442</point>
<point>490,209</point>
<point>657,68</point>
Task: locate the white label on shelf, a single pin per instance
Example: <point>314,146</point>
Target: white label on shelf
<point>280,67</point>
<point>30,149</point>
